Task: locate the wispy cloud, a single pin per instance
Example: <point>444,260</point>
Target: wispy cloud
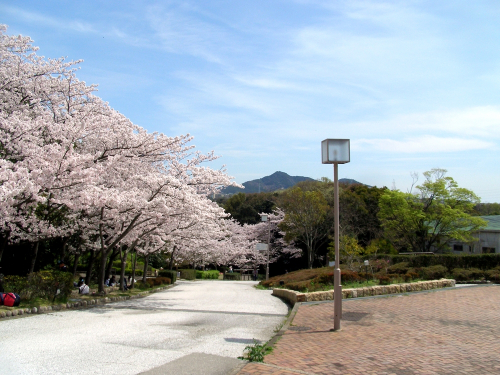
<point>45,20</point>
<point>422,144</point>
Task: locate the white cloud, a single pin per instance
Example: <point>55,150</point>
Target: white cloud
<point>421,144</point>
<point>479,121</point>
<point>45,20</point>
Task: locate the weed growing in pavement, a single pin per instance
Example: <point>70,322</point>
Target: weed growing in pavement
<point>256,352</point>
<point>278,327</point>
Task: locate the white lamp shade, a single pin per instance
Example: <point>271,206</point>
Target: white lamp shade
<point>261,246</point>
<point>335,151</point>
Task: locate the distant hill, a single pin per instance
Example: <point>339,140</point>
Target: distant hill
<point>276,181</point>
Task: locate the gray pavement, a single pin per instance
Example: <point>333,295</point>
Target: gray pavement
<point>197,327</point>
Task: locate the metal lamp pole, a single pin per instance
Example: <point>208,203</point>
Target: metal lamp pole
<point>265,218</point>
<point>336,151</point>
<point>337,287</point>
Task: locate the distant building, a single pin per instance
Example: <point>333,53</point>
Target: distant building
<point>487,239</point>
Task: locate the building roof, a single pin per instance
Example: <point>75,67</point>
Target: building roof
<point>493,222</point>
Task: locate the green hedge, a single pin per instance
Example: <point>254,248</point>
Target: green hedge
<point>188,274</point>
<point>172,275</point>
<point>450,261</point>
<point>232,276</point>
<point>43,284</point>
<point>207,274</point>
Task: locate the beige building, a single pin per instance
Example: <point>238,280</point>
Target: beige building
<point>487,239</point>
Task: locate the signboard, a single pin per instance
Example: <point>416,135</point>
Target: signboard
<point>261,247</point>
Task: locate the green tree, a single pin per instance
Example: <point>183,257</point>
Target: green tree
<point>246,207</point>
<point>438,212</point>
<point>305,213</point>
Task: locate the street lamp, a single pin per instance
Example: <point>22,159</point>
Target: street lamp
<point>336,151</point>
<point>264,217</point>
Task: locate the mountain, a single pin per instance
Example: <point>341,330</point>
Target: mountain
<point>276,181</point>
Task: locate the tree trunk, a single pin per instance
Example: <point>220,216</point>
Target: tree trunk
<point>102,270</point>
<point>33,257</point>
<point>4,239</point>
<point>132,283</point>
<point>146,262</point>
<point>123,257</point>
<point>172,258</point>
<point>75,264</point>
<point>63,249</point>
<point>90,265</point>
<point>112,258</point>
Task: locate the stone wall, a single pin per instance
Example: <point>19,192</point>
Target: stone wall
<point>293,297</point>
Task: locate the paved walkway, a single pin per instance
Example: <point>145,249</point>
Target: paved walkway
<point>194,328</point>
<point>451,331</point>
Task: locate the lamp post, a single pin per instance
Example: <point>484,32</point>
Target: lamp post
<point>336,151</point>
<point>264,217</point>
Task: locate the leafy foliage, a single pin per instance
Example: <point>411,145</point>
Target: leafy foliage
<point>305,213</point>
<point>44,284</point>
<point>213,274</point>
<point>256,352</point>
<point>439,212</point>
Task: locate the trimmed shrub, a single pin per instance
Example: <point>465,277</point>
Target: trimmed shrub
<point>301,286</point>
<point>461,274</point>
<point>493,275</point>
<point>383,279</point>
<point>188,274</point>
<point>232,276</point>
<point>450,261</point>
<point>347,275</point>
<point>326,278</point>
<point>409,276</point>
<point>172,275</point>
<point>434,272</point>
<point>365,276</point>
<point>140,285</point>
<point>42,284</point>
<point>214,275</point>
<point>399,268</point>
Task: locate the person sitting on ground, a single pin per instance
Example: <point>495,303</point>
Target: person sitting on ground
<point>106,282</point>
<point>130,281</point>
<point>112,281</point>
<point>83,288</point>
<point>77,284</point>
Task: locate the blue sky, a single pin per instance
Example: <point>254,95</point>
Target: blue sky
<point>415,85</point>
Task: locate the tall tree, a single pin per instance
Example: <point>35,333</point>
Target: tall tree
<point>305,213</point>
<point>439,211</point>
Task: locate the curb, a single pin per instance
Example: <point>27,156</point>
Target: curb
<point>76,305</point>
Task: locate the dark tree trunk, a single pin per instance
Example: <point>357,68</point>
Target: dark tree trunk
<point>33,257</point>
<point>4,239</point>
<point>146,262</point>
<point>90,265</point>
<point>132,283</point>
<point>75,263</point>
<point>172,258</point>
<point>112,258</point>
<point>102,270</point>
<point>123,257</point>
<point>63,249</point>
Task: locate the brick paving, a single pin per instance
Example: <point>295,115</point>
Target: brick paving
<point>451,331</point>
